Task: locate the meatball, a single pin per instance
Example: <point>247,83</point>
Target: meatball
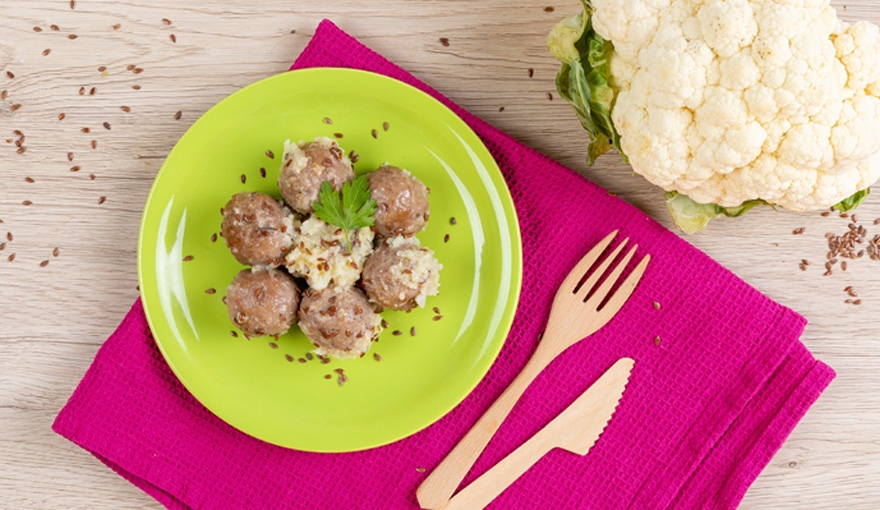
<point>262,302</point>
<point>401,201</point>
<point>339,321</point>
<point>306,166</point>
<point>400,274</point>
<point>256,228</point>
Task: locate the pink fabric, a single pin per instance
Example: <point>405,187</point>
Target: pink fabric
<point>704,412</point>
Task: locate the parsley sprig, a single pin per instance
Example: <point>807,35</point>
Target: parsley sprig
<point>350,208</point>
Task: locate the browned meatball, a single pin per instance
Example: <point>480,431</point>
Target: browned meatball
<point>262,302</point>
<point>401,201</point>
<point>306,167</point>
<point>255,229</point>
<point>338,321</point>
<point>400,274</point>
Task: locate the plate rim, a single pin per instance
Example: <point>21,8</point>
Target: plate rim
<point>513,225</point>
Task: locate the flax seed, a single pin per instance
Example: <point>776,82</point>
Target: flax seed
<point>15,107</point>
<point>21,150</point>
<point>3,95</point>
<point>117,26</point>
<point>270,154</point>
<point>531,72</point>
<point>178,115</point>
<point>374,133</point>
<point>72,36</point>
<point>54,28</point>
<point>11,257</point>
<point>166,21</point>
<point>136,87</point>
<point>26,202</point>
<point>137,70</point>
<point>385,126</point>
<point>94,144</point>
<point>69,156</point>
<point>549,9</point>
<point>826,214</point>
<point>173,38</point>
<point>444,41</point>
<point>843,265</point>
<point>188,258</point>
<point>44,263</point>
<point>47,51</point>
<point>10,75</point>
<point>56,252</point>
<point>437,318</point>
<point>28,179</point>
<point>210,290</point>
<point>72,4</point>
<point>82,91</point>
<point>107,126</point>
<point>101,200</point>
<point>214,238</point>
<point>452,221</point>
<point>85,130</point>
<point>2,246</point>
<point>262,172</point>
<point>338,135</point>
<point>384,322</point>
<point>327,120</point>
<point>126,109</point>
<point>412,331</point>
<point>38,29</point>
<point>549,96</point>
<point>75,168</point>
<point>377,357</point>
<point>9,236</point>
<point>798,231</point>
<point>857,302</point>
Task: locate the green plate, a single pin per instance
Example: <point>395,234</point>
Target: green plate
<point>268,388</point>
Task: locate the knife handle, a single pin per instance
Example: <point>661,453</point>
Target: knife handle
<point>493,482</point>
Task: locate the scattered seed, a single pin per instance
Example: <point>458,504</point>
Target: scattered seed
<point>273,345</point>
<point>117,26</point>
<point>377,357</point>
<point>126,109</point>
<point>38,29</point>
<point>44,263</point>
<point>444,41</point>
<point>21,150</point>
<point>178,115</point>
<point>15,107</point>
<point>214,237</point>
<point>3,95</point>
<point>844,215</point>
<point>72,4</point>
<point>262,172</point>
<point>82,91</point>
<point>173,38</point>
<point>436,310</point>
<point>102,69</point>
<point>805,262</point>
<point>843,265</point>
<point>107,126</point>
<point>827,273</point>
<point>136,87</point>
<point>855,218</point>
<point>289,358</point>
<point>798,231</point>
<point>137,70</point>
<point>857,302</point>
<point>243,178</point>
<point>501,109</point>
<point>531,72</point>
<point>877,221</point>
<point>420,469</point>
<point>412,331</point>
<point>69,156</point>
<point>75,168</point>
<point>85,130</point>
<point>11,257</point>
<point>338,135</point>
<point>9,236</point>
<point>446,238</point>
<point>549,96</point>
<point>26,202</point>
<point>92,177</point>
<point>270,154</point>
<point>549,9</point>
<point>309,356</point>
<point>826,214</point>
<point>72,36</point>
<point>452,221</point>
<point>437,317</point>
<point>385,126</point>
<point>101,200</point>
<point>61,116</point>
<point>384,322</point>
<point>657,340</point>
<point>166,21</point>
<point>188,258</point>
<point>210,291</point>
<point>2,246</point>
<point>28,179</point>
<point>94,144</point>
<point>56,252</point>
<point>10,75</point>
<point>54,28</point>
<point>656,305</point>
<point>802,266</point>
<point>374,133</point>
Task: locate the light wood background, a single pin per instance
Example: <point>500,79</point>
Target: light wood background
<point>54,318</point>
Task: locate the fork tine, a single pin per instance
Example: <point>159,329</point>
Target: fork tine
<point>591,281</point>
<point>575,275</point>
<point>602,292</point>
<point>626,289</point>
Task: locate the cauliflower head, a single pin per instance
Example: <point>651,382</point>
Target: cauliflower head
<point>733,102</point>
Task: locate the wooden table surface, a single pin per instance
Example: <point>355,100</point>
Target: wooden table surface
<point>54,317</point>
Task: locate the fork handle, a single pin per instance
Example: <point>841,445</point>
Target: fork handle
<point>439,486</point>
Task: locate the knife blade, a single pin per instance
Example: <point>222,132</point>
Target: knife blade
<point>575,429</point>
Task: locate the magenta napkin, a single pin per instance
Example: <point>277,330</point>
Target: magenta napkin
<point>705,410</point>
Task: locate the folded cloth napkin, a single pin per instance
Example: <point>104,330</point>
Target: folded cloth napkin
<point>707,406</point>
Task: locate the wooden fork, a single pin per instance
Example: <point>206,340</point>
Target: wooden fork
<point>575,314</point>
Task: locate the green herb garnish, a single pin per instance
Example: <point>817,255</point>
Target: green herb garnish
<point>350,208</point>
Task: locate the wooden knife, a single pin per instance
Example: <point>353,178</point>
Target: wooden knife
<point>576,429</point>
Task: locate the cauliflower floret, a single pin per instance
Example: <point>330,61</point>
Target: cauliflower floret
<point>733,100</point>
